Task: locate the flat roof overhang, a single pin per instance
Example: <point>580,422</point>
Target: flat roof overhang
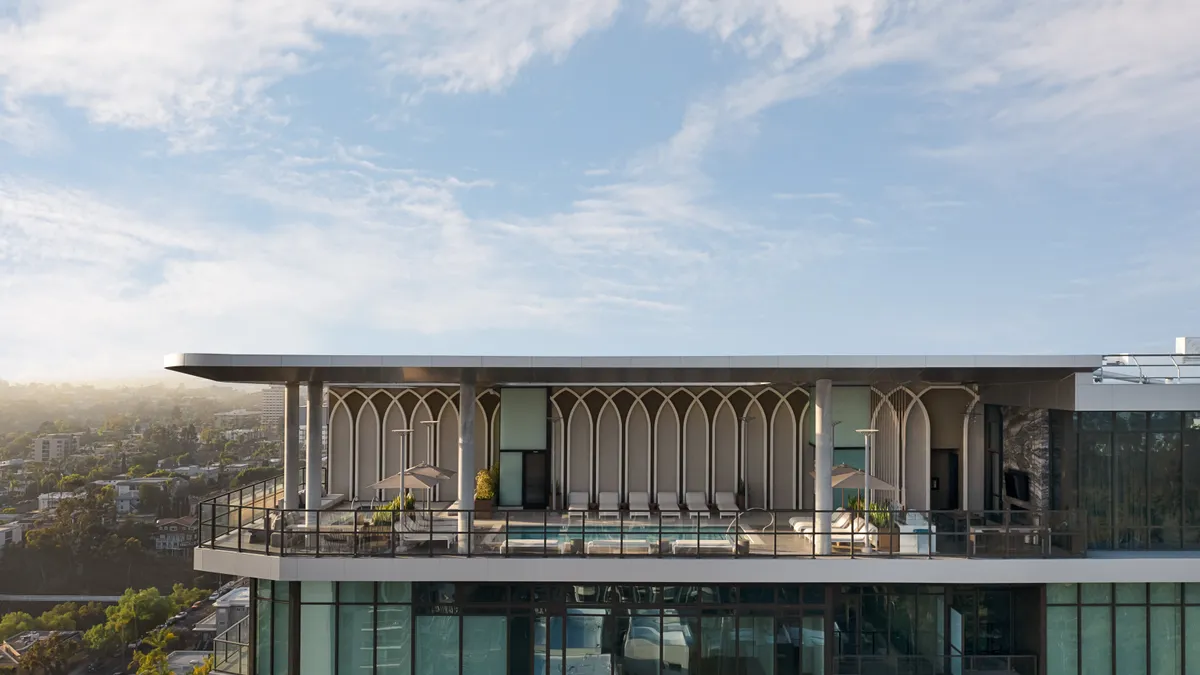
<point>617,370</point>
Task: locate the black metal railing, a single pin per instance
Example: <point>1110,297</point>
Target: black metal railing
<point>231,649</point>
<point>936,665</point>
<point>247,521</point>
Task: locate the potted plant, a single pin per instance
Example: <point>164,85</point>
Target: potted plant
<point>741,494</point>
<point>485,490</point>
<point>883,517</point>
<point>557,495</point>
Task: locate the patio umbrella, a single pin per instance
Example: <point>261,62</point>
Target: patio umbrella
<point>430,471</point>
<point>849,478</point>
<point>404,481</point>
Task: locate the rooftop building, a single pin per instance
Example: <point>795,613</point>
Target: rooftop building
<point>787,514</point>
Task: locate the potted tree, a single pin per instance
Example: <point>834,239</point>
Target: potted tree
<point>741,495</point>
<point>883,517</point>
<point>485,491</point>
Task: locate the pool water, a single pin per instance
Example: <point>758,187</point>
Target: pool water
<point>631,533</point>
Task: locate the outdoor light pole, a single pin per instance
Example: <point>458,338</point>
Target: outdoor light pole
<point>405,434</point>
<point>430,425</point>
<point>868,435</point>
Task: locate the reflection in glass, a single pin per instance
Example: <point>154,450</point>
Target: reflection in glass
<point>1096,634</point>
<point>1062,641</point>
<point>356,640</point>
<point>437,645</point>
<point>1131,640</point>
<point>485,645</point>
<point>392,636</point>
<point>1165,634</point>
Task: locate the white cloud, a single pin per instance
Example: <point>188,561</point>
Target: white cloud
<point>182,66</point>
<point>1079,76</point>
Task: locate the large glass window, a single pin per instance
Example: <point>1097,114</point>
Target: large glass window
<point>1138,478</point>
<point>365,628</point>
<point>1121,629</point>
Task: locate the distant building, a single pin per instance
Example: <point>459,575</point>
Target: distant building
<point>183,662</point>
<point>55,447</point>
<point>10,533</point>
<point>128,496</point>
<point>272,408</point>
<point>240,419</point>
<point>194,471</point>
<point>12,649</point>
<point>175,536</point>
<point>48,501</point>
<point>231,608</point>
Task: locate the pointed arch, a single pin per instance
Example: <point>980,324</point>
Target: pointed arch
<point>757,487</point>
<point>695,448</point>
<point>341,449</point>
<point>668,448</point>
<point>638,442</point>
<point>608,448</point>
<point>421,449</point>
<point>726,451</point>
<point>558,430</point>
<point>393,443</point>
<point>446,451</point>
<point>916,456</point>
<point>366,467</point>
<point>579,450</point>
<point>784,494</point>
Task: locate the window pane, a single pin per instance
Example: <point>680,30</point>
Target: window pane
<point>485,645</point>
<point>1095,486</point>
<point>316,626</point>
<point>264,641</point>
<point>1165,421</point>
<point>279,641</point>
<point>356,640</point>
<point>1095,421</point>
<point>1097,594</point>
<point>437,645</point>
<point>1062,594</point>
<point>1096,635</point>
<point>1165,489</point>
<point>1165,633</point>
<point>1131,491</point>
<point>1164,593</point>
<point>1129,421</point>
<point>1131,593</point>
<point>757,644</point>
<point>1062,641</point>
<point>1191,618</point>
<point>1191,593</point>
<point>393,637</point>
<point>356,591</point>
<point>1131,640</point>
<point>393,592</point>
<point>1191,488</point>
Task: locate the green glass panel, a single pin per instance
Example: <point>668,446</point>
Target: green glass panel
<point>485,645</point>
<point>356,591</point>
<point>1062,641</point>
<point>1062,594</point>
<point>1191,617</point>
<point>1095,634</point>
<point>393,637</point>
<point>1165,636</point>
<point>1131,594</point>
<point>1131,641</point>
<point>1164,594</point>
<point>437,645</point>
<point>1096,594</point>
<point>356,640</point>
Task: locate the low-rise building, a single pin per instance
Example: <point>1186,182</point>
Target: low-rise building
<point>184,662</point>
<point>175,536</point>
<point>127,491</point>
<point>48,501</point>
<point>10,533</point>
<point>15,647</point>
<point>231,608</point>
<point>238,419</point>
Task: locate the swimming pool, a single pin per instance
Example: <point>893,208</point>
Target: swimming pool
<point>671,533</point>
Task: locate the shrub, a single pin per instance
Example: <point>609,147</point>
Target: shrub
<point>485,482</point>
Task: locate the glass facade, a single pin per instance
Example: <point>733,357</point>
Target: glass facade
<point>1122,629</point>
<point>594,629</point>
<point>1137,476</point>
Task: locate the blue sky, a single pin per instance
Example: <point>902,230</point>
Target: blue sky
<point>593,177</point>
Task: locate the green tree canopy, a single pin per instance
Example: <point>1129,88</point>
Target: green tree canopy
<point>51,655</point>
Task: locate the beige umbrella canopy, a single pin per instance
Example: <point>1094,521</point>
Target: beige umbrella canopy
<point>429,471</point>
<point>403,481</point>
<point>847,477</point>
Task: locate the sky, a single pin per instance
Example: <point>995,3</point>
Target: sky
<point>593,177</point>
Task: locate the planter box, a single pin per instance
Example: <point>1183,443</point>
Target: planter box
<point>485,507</point>
<point>888,540</point>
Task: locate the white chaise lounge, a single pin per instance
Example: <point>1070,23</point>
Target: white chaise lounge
<point>610,505</point>
<point>726,505</point>
<point>577,504</point>
<point>668,505</point>
<point>697,505</point>
<point>639,505</point>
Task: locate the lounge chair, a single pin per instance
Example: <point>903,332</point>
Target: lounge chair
<point>616,546</point>
<point>639,505</point>
<point>845,530</point>
<point>577,504</point>
<point>697,505</point>
<point>704,546</point>
<point>839,520</point>
<point>668,505</point>
<point>727,505</point>
<point>610,505</point>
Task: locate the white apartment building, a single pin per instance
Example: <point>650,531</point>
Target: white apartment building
<point>175,535</point>
<point>55,447</point>
<point>10,533</point>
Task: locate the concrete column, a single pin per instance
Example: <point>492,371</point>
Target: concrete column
<point>291,445</point>
<point>823,479</point>
<point>313,488</point>
<point>466,459</point>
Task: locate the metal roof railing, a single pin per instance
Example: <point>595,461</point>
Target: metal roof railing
<point>1149,369</point>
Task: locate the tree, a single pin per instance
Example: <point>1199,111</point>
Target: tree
<point>16,622</point>
<point>204,668</point>
<point>183,597</point>
<point>136,611</point>
<point>151,499</point>
<point>154,660</point>
<point>51,655</point>
<point>71,482</point>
